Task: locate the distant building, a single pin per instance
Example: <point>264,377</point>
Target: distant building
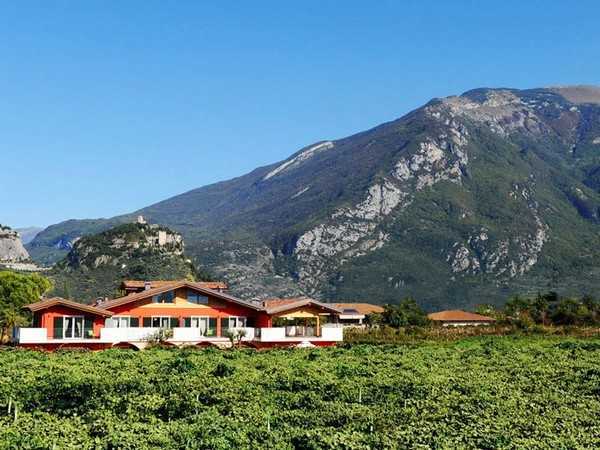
<point>459,318</point>
<point>356,313</point>
<point>350,314</point>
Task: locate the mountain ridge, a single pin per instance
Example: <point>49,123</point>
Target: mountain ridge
<point>477,174</point>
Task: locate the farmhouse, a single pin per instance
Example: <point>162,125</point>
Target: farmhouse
<point>459,318</point>
<point>193,313</point>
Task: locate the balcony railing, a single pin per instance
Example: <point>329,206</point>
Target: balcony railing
<point>182,335</point>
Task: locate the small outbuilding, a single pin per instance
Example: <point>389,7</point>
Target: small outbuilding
<point>459,318</point>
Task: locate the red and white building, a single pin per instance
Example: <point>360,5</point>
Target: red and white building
<point>194,313</point>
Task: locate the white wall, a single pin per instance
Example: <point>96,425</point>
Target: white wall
<point>31,335</point>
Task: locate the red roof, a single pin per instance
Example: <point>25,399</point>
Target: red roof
<point>57,301</point>
<point>457,315</point>
<point>277,305</point>
<point>139,284</point>
<point>276,302</point>
<point>176,285</point>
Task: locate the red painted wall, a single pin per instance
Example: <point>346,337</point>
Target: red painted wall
<point>46,319</point>
<point>215,308</point>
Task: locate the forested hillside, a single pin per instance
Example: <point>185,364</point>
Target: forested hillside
<point>465,200</point>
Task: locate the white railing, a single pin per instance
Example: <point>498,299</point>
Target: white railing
<point>278,334</point>
<point>272,334</point>
<point>187,334</point>
<point>335,334</point>
<point>115,335</point>
<point>180,334</point>
<point>31,335</point>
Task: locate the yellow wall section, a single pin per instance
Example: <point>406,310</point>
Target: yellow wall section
<point>182,302</point>
<point>179,303</point>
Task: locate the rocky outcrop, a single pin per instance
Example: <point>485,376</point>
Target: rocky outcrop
<point>353,231</point>
<point>118,245</point>
<point>11,248</point>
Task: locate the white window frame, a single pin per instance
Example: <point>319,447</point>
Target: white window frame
<point>238,322</point>
<point>198,320</point>
<point>168,318</point>
<point>118,320</point>
<point>74,327</point>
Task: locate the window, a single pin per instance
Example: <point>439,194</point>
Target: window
<point>73,327</point>
<point>165,297</point>
<point>121,322</point>
<point>197,322</point>
<point>161,322</point>
<point>196,298</point>
<point>233,322</point>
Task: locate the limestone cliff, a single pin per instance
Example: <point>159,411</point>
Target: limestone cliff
<point>11,248</point>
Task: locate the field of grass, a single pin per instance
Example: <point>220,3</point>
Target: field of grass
<point>483,392</point>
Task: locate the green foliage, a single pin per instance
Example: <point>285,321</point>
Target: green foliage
<point>551,309</point>
<point>404,314</point>
<point>98,263</point>
<point>17,290</point>
<point>494,392</point>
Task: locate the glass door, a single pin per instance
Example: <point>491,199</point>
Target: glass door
<point>121,322</point>
<point>237,322</point>
<point>73,327</point>
<point>201,323</point>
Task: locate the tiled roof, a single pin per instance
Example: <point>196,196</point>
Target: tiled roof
<point>57,301</point>
<point>176,285</point>
<point>277,305</point>
<point>276,302</point>
<point>139,284</point>
<point>361,308</point>
<point>457,315</point>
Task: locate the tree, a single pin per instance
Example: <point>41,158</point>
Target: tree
<point>570,312</point>
<point>235,336</point>
<point>16,291</point>
<point>406,313</point>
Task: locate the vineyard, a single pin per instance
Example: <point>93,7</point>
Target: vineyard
<point>484,392</point>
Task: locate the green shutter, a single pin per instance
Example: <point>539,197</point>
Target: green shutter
<point>147,322</point>
<point>174,322</point>
<point>88,327</point>
<point>187,322</point>
<point>134,322</point>
<point>58,328</point>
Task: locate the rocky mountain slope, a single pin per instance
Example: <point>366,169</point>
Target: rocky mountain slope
<point>465,200</point>
<point>97,264</point>
<point>11,247</point>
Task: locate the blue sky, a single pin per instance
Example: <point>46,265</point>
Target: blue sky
<point>109,106</point>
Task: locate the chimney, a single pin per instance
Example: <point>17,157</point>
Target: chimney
<point>147,285</point>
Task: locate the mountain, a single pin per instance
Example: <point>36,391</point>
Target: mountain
<point>96,264</point>
<point>28,234</point>
<point>465,200</point>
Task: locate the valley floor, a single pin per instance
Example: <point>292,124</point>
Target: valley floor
<point>479,392</point>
